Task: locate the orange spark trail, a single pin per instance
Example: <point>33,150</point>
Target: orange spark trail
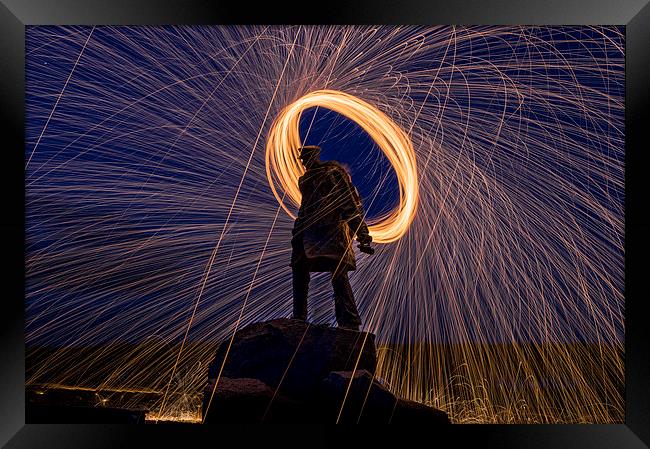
<point>216,249</point>
<point>59,97</point>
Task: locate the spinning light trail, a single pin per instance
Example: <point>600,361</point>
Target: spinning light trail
<point>284,141</point>
<point>491,164</point>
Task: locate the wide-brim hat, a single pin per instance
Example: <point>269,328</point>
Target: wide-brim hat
<point>308,151</point>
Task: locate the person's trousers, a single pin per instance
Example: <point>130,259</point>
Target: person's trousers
<point>344,305</point>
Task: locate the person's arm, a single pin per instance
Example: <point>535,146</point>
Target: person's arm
<point>357,223</point>
<point>352,207</point>
<point>297,224</point>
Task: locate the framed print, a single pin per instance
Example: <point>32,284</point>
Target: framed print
<point>379,214</point>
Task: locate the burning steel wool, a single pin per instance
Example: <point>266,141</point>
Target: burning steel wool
<point>284,139</point>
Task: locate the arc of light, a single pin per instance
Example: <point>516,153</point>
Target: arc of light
<point>284,140</point>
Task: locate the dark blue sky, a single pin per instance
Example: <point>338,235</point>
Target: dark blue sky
<point>97,89</point>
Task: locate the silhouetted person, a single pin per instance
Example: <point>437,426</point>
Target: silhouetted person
<point>330,216</point>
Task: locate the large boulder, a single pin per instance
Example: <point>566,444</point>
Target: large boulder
<point>350,397</point>
<point>416,413</point>
<point>289,371</point>
<point>246,400</point>
<point>293,354</point>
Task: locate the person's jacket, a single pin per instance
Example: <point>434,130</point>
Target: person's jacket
<point>330,216</point>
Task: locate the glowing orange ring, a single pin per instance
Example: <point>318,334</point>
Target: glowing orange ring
<point>283,167</point>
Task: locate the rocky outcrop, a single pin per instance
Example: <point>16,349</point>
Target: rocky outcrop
<point>355,397</point>
<point>247,400</point>
<point>291,371</point>
<point>294,354</point>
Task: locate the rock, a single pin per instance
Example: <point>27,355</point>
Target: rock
<point>288,371</point>
<point>264,351</point>
<point>246,400</point>
<point>411,412</point>
<point>364,401</point>
<point>368,401</point>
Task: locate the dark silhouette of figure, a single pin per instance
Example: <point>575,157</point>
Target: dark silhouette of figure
<point>330,215</point>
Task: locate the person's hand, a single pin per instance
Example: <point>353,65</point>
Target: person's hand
<point>364,244</point>
<point>366,248</point>
<point>364,239</point>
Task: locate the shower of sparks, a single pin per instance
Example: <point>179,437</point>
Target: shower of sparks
<point>153,231</point>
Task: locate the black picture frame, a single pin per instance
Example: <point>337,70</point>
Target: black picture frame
<point>16,14</point>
